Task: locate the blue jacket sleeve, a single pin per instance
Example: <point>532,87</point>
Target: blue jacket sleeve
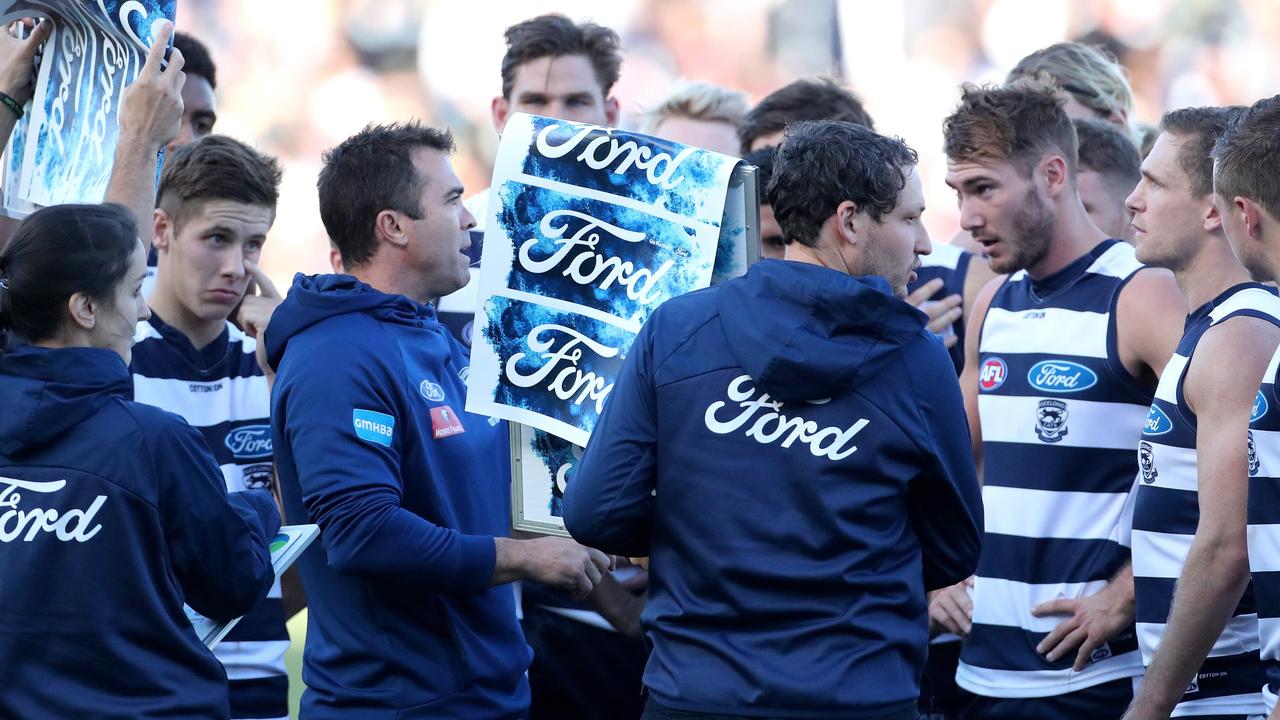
<point>945,500</point>
<point>608,501</point>
<point>352,487</point>
<point>218,543</point>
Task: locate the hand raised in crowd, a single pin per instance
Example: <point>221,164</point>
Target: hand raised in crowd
<point>942,313</point>
<point>260,301</point>
<point>951,610</point>
<point>151,106</point>
<point>17,60</point>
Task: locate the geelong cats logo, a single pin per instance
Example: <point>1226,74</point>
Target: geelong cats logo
<point>1051,420</point>
<point>1147,462</point>
<point>1254,464</point>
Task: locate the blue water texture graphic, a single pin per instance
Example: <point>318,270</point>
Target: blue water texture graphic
<point>555,453</point>
<point>694,193</point>
<point>666,262</point>
<point>508,332</point>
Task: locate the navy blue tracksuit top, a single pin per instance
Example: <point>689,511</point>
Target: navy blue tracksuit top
<point>112,513</point>
<point>791,450</point>
<point>409,491</point>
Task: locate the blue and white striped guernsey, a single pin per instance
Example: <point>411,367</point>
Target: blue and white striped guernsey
<point>952,265</point>
<point>1264,524</point>
<point>1060,418</point>
<point>1167,511</point>
<point>222,392</point>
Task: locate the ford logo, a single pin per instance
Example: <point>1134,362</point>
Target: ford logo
<point>1259,407</point>
<point>250,441</point>
<point>1061,376</point>
<point>1157,422</point>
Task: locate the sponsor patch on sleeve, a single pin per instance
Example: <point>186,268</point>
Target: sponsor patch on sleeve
<point>374,427</point>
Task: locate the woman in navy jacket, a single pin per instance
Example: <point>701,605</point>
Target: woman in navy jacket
<point>112,513</point>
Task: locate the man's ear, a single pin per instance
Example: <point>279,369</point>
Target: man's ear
<point>1212,219</point>
<point>499,111</point>
<point>612,111</point>
<point>1056,176</point>
<point>162,230</point>
<point>388,227</point>
<point>1252,215</point>
<point>846,228</point>
<point>83,311</point>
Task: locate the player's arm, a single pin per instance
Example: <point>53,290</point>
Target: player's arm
<point>977,275</point>
<point>1150,315</point>
<point>1220,386</point>
<point>969,375</point>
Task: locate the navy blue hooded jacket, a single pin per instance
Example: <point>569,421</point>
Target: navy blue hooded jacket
<point>112,513</point>
<point>409,492</point>
<point>807,443</point>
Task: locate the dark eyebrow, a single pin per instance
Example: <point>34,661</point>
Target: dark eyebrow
<point>531,96</point>
<point>453,192</point>
<point>1148,175</point>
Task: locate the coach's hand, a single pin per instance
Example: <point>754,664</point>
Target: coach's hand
<point>151,106</point>
<point>942,313</point>
<point>555,561</point>
<point>951,610</point>
<point>1090,621</point>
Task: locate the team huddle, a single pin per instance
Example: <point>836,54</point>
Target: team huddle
<point>1033,472</point>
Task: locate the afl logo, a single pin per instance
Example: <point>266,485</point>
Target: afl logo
<point>992,374</point>
<point>431,391</point>
<point>1259,407</point>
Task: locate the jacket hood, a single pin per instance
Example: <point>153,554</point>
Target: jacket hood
<point>315,298</point>
<point>805,332</point>
<point>49,391</point>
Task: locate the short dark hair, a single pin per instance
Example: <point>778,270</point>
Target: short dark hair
<point>804,99</point>
<point>821,164</point>
<point>196,59</point>
<point>1016,123</point>
<point>555,35</point>
<point>1247,156</point>
<point>763,160</point>
<point>1105,149</point>
<point>216,167</point>
<point>56,252</point>
<point>369,172</point>
<point>1199,128</point>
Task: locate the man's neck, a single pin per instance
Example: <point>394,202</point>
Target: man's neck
<point>199,332</point>
<point>1074,234</point>
<point>1210,272</point>
<point>821,255</point>
<point>385,277</point>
